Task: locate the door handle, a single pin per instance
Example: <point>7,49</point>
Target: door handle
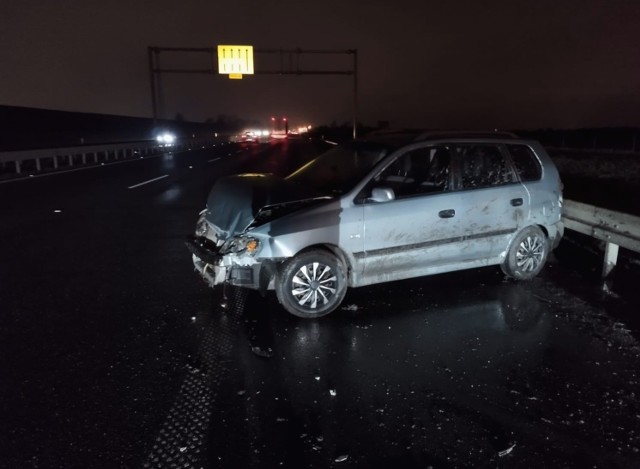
<point>447,213</point>
<point>517,202</point>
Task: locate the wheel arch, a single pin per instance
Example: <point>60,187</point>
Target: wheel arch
<point>331,249</point>
<point>544,229</point>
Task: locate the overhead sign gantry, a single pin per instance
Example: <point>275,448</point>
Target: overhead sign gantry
<point>237,61</point>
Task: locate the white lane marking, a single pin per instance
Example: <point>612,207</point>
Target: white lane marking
<point>212,160</point>
<point>147,182</point>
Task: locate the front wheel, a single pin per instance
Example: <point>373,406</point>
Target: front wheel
<point>311,284</point>
<point>527,254</point>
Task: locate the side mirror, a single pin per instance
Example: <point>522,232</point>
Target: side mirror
<point>382,194</point>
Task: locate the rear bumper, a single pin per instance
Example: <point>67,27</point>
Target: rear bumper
<point>559,234</point>
<point>556,234</point>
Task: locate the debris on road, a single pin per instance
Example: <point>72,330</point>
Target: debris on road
<point>264,352</point>
<point>506,451</point>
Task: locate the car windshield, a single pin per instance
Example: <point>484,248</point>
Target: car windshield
<point>338,170</point>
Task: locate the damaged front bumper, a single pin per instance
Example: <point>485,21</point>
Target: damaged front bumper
<point>216,268</point>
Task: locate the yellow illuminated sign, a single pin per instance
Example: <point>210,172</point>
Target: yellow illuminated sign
<point>235,61</point>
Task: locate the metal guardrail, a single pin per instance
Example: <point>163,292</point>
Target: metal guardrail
<point>616,229</point>
<point>57,158</point>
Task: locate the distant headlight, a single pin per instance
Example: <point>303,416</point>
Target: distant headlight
<point>241,245</point>
<point>166,138</point>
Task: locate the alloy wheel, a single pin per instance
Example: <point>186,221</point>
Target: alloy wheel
<point>314,285</point>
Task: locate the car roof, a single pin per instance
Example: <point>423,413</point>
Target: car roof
<point>466,134</point>
<point>399,138</point>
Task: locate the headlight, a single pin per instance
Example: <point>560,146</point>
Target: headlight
<point>166,138</point>
<point>241,245</point>
<point>202,227</point>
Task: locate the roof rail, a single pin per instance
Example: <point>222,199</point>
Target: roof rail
<point>443,134</point>
<point>378,132</point>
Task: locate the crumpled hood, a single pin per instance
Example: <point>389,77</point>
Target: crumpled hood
<point>235,201</point>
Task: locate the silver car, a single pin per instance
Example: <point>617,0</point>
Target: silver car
<point>385,208</point>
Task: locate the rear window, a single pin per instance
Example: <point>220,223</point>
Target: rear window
<point>483,166</point>
<point>526,162</point>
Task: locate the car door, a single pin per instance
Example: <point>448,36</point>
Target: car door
<point>415,230</point>
<point>493,204</point>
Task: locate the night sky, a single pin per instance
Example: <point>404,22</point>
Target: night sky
<point>456,64</point>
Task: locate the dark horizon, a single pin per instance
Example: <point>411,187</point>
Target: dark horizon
<point>23,128</point>
<point>508,64</point>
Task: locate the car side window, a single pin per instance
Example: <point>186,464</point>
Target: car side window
<point>420,171</point>
<point>483,165</point>
<point>526,163</point>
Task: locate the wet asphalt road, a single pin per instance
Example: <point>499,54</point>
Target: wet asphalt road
<point>114,354</point>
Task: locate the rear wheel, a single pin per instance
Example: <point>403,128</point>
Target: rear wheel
<point>527,254</point>
<point>312,284</point>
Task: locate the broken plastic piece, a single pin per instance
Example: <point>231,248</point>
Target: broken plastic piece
<point>265,352</point>
<point>506,451</point>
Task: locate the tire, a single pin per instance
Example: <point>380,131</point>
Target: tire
<point>311,284</point>
<point>527,254</point>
